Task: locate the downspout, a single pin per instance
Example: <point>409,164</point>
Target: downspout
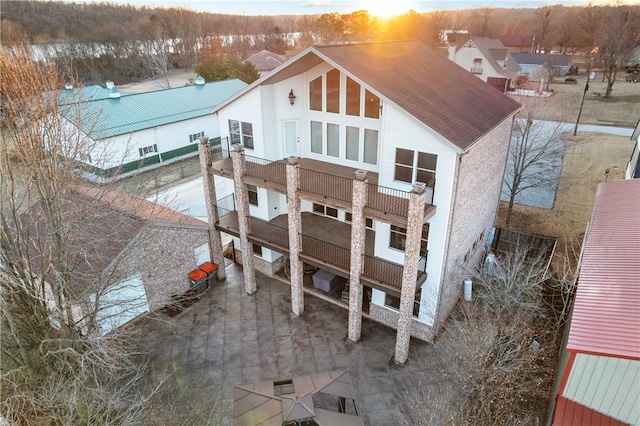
<point>454,191</point>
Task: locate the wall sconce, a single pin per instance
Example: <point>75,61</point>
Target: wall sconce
<point>292,97</point>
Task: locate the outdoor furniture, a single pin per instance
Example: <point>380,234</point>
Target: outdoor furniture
<point>325,281</point>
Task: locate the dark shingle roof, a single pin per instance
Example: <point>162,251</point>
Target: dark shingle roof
<point>265,61</point>
<point>542,59</point>
<point>433,89</point>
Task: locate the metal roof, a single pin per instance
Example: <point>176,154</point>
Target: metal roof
<point>105,118</point>
<point>606,315</point>
<point>569,413</point>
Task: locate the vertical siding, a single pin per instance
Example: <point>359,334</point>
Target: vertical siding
<point>607,385</point>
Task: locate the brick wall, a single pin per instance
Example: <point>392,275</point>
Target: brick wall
<point>475,208</point>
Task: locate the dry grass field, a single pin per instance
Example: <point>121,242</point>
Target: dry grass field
<point>587,157</point>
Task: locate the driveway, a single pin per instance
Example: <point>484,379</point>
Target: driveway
<point>229,338</point>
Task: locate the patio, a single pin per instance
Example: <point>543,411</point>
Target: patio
<point>228,338</point>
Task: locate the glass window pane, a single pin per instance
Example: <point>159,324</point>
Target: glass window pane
<point>347,217</point>
<point>370,146</point>
<point>318,208</point>
<point>404,156</point>
<point>234,126</point>
<point>333,140</point>
<point>425,177</point>
<point>404,174</point>
<point>316,137</point>
<point>333,91</point>
<point>353,98</point>
<point>398,238</point>
<point>353,143</point>
<point>315,94</point>
<point>371,105</point>
<point>427,161</point>
<point>332,212</point>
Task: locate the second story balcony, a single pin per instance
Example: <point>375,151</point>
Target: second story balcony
<point>325,244</point>
<point>325,183</point>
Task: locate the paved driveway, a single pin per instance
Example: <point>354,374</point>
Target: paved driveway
<point>228,338</point>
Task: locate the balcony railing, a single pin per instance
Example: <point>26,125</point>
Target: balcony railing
<point>269,233</point>
<point>326,185</point>
<point>329,253</point>
<point>266,170</point>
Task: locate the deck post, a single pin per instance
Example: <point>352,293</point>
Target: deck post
<point>358,232</point>
<point>415,218</point>
<point>295,240</point>
<point>215,238</point>
<point>242,206</point>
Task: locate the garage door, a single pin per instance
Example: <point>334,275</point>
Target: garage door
<point>121,303</point>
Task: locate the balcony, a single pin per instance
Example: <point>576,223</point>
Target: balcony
<point>325,244</point>
<point>325,183</point>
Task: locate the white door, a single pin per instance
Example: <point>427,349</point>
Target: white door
<point>291,138</point>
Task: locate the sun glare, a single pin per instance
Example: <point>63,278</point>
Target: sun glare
<point>386,8</point>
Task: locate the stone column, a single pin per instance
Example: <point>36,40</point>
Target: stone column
<point>415,217</point>
<point>358,232</point>
<point>215,238</point>
<point>295,240</point>
<point>242,206</point>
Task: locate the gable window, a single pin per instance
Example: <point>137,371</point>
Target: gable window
<point>477,66</point>
<point>241,132</point>
<point>252,191</point>
<point>195,136</point>
<point>414,166</point>
<point>353,98</point>
<point>148,150</point>
<point>315,94</point>
<point>371,105</point>
<point>398,238</point>
<point>333,91</point>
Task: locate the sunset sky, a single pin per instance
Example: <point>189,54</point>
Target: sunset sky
<point>375,7</point>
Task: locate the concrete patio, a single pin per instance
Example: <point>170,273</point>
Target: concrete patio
<point>228,338</point>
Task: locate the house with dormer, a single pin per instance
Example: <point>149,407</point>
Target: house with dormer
<point>489,60</point>
<point>379,165</point>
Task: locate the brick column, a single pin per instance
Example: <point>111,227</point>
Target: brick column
<point>242,206</point>
<point>295,240</point>
<point>415,217</point>
<point>215,238</point>
<point>358,232</point>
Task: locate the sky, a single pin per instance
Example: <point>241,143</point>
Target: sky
<point>375,7</point>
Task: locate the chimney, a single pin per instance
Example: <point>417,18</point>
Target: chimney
<point>113,93</point>
<point>110,85</point>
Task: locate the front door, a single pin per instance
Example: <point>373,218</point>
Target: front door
<point>291,138</point>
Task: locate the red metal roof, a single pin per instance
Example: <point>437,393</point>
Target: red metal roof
<point>606,315</point>
<point>569,413</point>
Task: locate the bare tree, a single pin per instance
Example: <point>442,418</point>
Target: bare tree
<point>55,365</point>
<point>535,152</point>
<point>616,36</point>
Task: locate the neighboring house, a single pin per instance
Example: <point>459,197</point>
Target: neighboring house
<point>536,65</point>
<point>397,157</point>
<point>265,61</point>
<point>518,43</point>
<point>488,60</point>
<point>599,373</point>
<point>129,131</point>
<point>633,166</point>
<point>136,253</point>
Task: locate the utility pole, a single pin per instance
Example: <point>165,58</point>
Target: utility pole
<point>584,92</point>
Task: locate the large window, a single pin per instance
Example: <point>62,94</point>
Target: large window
<point>413,166</point>
<point>353,143</point>
<point>333,91</point>
<point>353,98</point>
<point>371,105</point>
<point>394,302</point>
<point>333,140</point>
<point>316,137</point>
<point>315,94</point>
<point>398,238</point>
<point>252,191</point>
<point>370,146</point>
<point>241,132</point>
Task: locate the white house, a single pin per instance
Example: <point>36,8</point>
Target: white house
<point>536,65</point>
<point>390,187</point>
<point>130,131</point>
<point>489,60</point>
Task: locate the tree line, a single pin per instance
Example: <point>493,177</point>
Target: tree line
<point>125,43</point>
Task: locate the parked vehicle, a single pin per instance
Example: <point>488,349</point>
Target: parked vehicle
<point>633,77</point>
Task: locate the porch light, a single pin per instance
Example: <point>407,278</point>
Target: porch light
<point>292,97</point>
